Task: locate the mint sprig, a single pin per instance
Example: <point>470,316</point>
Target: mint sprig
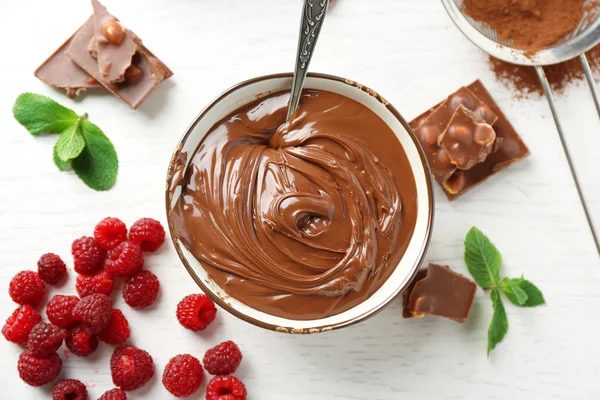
<point>499,325</point>
<point>40,114</point>
<point>483,262</point>
<point>81,146</point>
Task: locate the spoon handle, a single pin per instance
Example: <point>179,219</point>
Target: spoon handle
<point>313,14</point>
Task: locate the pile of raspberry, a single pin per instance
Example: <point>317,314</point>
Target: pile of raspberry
<point>80,322</point>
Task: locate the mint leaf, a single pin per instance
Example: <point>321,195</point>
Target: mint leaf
<point>70,143</point>
<point>514,292</point>
<point>482,258</point>
<point>60,164</point>
<point>499,325</point>
<point>97,165</point>
<point>534,295</point>
<point>40,114</point>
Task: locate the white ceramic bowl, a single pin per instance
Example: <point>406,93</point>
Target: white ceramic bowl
<point>404,272</point>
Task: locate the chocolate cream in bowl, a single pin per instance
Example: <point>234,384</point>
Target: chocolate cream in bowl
<point>304,219</point>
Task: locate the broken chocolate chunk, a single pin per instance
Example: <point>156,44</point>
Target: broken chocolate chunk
<point>62,73</point>
<point>441,292</point>
<point>133,93</point>
<point>468,139</point>
<point>114,47</point>
<point>507,149</point>
<point>429,128</point>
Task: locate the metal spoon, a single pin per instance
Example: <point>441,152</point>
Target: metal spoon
<point>313,14</point>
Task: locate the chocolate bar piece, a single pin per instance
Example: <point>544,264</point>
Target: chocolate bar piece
<point>441,292</point>
<point>508,147</point>
<point>62,73</point>
<point>114,47</point>
<point>467,140</point>
<point>406,313</point>
<point>433,125</point>
<point>149,70</point>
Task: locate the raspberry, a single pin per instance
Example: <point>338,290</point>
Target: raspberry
<point>45,339</point>
<point>117,330</point>
<point>125,259</point>
<point>94,310</point>
<point>114,394</point>
<point>141,290</point>
<point>81,341</point>
<point>196,311</point>
<point>101,282</point>
<point>87,254</point>
<point>225,387</point>
<point>110,232</point>
<point>222,359</point>
<point>183,375</point>
<point>38,371</point>
<point>148,233</point>
<point>60,310</point>
<point>26,287</point>
<point>19,324</point>
<point>69,389</point>
<point>131,367</point>
<point>51,268</point>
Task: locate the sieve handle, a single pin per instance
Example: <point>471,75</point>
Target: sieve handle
<point>548,91</point>
<point>590,79</point>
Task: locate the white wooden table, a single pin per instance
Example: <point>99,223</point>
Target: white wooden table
<point>411,53</point>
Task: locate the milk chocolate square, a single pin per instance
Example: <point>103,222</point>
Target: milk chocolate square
<point>435,123</point>
<point>467,140</point>
<point>508,147</point>
<point>62,73</point>
<point>152,70</point>
<point>114,47</point>
<point>441,292</point>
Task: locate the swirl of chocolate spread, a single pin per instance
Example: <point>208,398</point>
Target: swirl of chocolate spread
<point>303,219</point>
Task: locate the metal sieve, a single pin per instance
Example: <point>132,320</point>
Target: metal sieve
<point>583,38</point>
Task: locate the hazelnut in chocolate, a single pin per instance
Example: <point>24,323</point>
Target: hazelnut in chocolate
<point>104,53</point>
<point>467,138</point>
<point>301,219</point>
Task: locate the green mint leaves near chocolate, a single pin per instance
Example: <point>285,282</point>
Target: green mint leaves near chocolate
<point>482,258</point>
<point>499,324</point>
<point>40,114</point>
<point>484,261</point>
<point>81,145</point>
<point>97,165</point>
<point>70,143</point>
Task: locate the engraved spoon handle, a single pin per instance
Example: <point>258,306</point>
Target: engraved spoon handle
<point>313,14</point>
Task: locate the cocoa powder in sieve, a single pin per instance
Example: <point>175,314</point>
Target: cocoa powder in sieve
<point>527,24</point>
<point>532,25</point>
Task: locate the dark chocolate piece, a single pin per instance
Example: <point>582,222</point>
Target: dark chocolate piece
<point>435,123</point>
<point>115,48</point>
<point>152,70</point>
<point>443,293</point>
<point>467,140</point>
<point>62,73</point>
<point>508,147</point>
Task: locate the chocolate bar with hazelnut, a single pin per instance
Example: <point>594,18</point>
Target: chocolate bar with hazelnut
<point>441,292</point>
<point>467,140</point>
<point>431,127</point>
<point>507,149</point>
<point>114,48</point>
<point>141,77</point>
<point>62,73</point>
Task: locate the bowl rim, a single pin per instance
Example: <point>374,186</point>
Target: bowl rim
<point>266,325</point>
